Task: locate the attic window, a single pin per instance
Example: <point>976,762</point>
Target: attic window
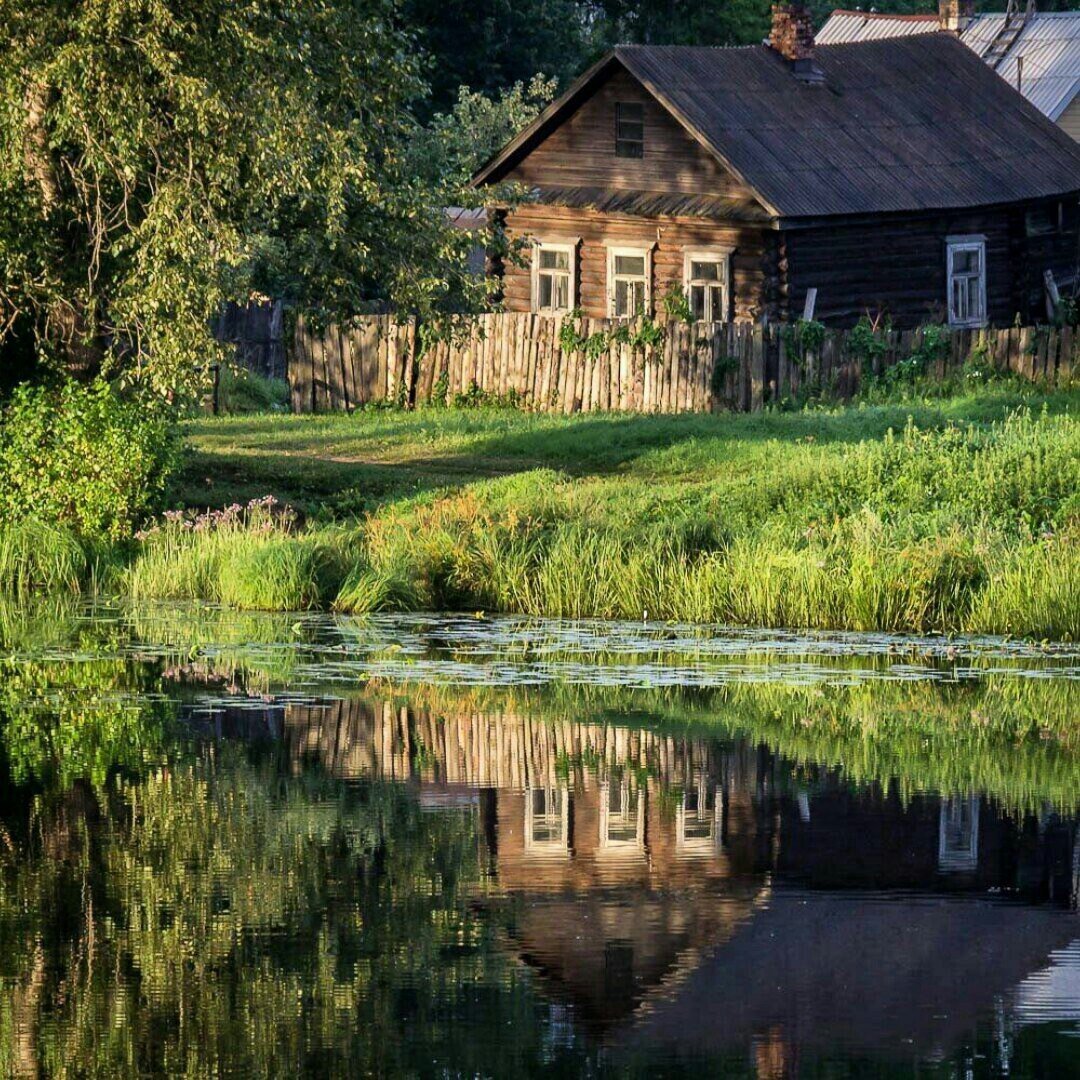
<point>629,130</point>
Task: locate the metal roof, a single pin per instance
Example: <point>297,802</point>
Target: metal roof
<point>898,125</point>
<point>846,26</point>
<point>1049,45</point>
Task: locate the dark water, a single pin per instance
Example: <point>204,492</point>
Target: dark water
<point>264,846</point>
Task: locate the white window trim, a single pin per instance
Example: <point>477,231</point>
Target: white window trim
<point>955,244</point>
<point>560,845</point>
<point>637,842</point>
<point>612,252</point>
<point>570,248</point>
<point>718,255</point>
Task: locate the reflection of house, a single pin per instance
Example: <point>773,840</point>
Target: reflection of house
<point>680,890</point>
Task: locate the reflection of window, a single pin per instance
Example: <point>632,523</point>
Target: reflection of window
<point>553,277</point>
<point>628,282</point>
<point>629,130</point>
<point>958,835</point>
<point>547,820</point>
<point>967,280</point>
<point>698,819</point>
<point>706,274</point>
<point>622,815</point>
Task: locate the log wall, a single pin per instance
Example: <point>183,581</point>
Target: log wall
<point>705,367</point>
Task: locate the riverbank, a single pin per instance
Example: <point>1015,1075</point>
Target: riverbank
<point>961,515</point>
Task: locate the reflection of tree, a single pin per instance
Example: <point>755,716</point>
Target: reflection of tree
<point>222,916</point>
<point>63,720</point>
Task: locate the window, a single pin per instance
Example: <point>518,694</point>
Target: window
<point>547,821</point>
<point>706,276</point>
<point>698,820</point>
<point>553,277</point>
<point>629,130</point>
<point>958,836</point>
<point>967,280</point>
<point>629,270</point>
<point>622,815</point>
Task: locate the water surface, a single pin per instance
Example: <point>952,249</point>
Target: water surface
<point>266,845</point>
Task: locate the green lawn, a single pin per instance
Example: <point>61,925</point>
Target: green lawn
<point>341,466</point>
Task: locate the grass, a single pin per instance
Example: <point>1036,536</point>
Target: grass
<point>952,515</point>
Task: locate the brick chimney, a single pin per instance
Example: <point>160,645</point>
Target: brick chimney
<point>792,36</point>
<point>956,15</point>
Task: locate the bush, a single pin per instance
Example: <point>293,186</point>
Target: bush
<point>85,458</point>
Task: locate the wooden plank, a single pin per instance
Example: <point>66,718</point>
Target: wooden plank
<point>299,370</point>
<point>757,374</point>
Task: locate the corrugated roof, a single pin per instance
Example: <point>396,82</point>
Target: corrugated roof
<point>898,125</point>
<point>1049,45</point>
<point>846,26</point>
<point>652,203</point>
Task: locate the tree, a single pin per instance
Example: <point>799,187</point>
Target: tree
<point>456,143</point>
<point>158,158</point>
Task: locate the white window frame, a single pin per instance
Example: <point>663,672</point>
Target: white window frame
<point>567,247</point>
<point>698,832</point>
<point>714,255</point>
<point>633,252</point>
<point>631,814</point>
<point>954,246</point>
<point>555,818</point>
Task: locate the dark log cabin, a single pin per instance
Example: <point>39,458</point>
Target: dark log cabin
<point>899,177</point>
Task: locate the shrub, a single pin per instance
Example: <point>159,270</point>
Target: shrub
<point>85,458</point>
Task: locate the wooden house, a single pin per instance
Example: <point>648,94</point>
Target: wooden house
<point>899,176</point>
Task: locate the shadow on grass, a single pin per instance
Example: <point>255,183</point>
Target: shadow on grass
<point>318,464</point>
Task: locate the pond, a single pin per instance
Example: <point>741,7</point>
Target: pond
<point>262,845</point>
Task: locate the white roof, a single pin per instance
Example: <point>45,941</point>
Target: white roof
<point>1049,46</point>
<point>845,26</point>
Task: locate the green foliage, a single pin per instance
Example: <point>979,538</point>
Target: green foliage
<point>802,337</point>
<point>85,458</point>
<point>868,344</point>
<point>456,143</point>
<point>676,305</point>
<point>932,347</point>
<point>243,391</point>
<point>156,163</point>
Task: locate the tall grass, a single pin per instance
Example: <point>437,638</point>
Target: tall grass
<point>37,558</point>
<point>247,557</point>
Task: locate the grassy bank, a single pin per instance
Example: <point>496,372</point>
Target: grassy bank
<point>956,515</point>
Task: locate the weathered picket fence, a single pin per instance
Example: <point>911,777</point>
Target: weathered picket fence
<point>692,368</point>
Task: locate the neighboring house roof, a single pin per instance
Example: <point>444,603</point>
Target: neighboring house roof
<point>898,125</point>
<point>1050,47</point>
<point>843,27</point>
<point>1049,44</point>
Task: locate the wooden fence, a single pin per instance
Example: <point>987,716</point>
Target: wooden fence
<point>692,368</point>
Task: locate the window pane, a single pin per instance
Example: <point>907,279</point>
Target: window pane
<point>965,262</point>
<point>974,298</point>
<point>554,260</point>
<point>630,264</point>
<point>705,271</point>
<point>716,304</point>
<point>637,297</point>
<point>697,302</point>
<point>544,290</point>
<point>622,298</point>
<point>562,292</point>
